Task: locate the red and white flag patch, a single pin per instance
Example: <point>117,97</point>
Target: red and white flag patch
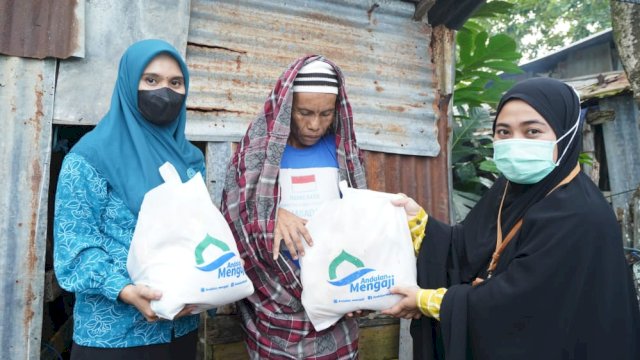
<point>303,183</point>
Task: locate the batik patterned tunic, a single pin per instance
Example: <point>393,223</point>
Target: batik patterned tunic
<point>93,231</point>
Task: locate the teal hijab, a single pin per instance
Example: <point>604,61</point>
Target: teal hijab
<point>128,150</point>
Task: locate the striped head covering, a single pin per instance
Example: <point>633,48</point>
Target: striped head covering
<point>273,318</point>
<point>316,77</point>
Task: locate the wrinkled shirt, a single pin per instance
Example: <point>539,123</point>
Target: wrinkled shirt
<point>93,229</point>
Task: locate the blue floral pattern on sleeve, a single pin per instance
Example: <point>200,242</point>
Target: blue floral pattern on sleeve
<point>93,229</point>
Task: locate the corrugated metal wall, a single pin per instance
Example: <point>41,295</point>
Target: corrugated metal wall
<point>622,145</point>
<point>426,179</point>
<point>111,27</point>
<point>26,105</point>
<point>237,50</point>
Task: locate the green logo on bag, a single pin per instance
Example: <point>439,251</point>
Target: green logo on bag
<point>203,245</point>
<point>356,280</point>
<point>348,258</point>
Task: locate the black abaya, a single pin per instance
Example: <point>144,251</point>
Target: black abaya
<point>561,289</point>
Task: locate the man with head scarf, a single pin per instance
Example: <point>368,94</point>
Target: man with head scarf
<point>289,163</point>
<point>537,269</point>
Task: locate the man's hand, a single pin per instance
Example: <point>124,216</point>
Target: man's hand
<point>140,296</point>
<point>410,206</point>
<point>290,229</point>
<point>407,308</point>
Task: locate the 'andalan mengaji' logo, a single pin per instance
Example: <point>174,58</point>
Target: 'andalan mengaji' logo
<point>358,280</point>
<point>346,257</point>
<point>215,264</point>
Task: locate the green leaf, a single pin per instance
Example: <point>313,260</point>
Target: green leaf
<point>472,26</point>
<point>483,181</point>
<point>466,171</point>
<point>585,158</point>
<point>464,39</point>
<point>489,166</point>
<point>480,44</point>
<point>502,45</point>
<point>463,202</point>
<point>508,67</point>
<point>482,57</point>
<point>493,8</point>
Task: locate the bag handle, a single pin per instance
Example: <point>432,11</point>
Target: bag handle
<point>169,173</point>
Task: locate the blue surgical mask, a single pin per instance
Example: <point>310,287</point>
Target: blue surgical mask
<point>526,161</point>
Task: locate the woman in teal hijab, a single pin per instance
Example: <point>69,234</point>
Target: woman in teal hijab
<point>101,186</point>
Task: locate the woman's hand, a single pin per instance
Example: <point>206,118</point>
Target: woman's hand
<point>358,313</point>
<point>410,206</point>
<point>407,308</point>
<point>186,311</point>
<point>290,229</point>
<point>140,296</point>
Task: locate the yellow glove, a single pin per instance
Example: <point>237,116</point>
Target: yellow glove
<point>429,301</point>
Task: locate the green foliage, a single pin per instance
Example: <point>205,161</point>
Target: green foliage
<point>543,26</point>
<point>471,155</point>
<point>487,49</point>
<point>584,158</point>
<point>482,59</point>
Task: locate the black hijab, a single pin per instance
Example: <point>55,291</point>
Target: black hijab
<point>559,104</point>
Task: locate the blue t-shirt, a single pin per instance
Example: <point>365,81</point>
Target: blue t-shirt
<point>308,178</point>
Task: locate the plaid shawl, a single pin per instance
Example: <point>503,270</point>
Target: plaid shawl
<point>273,318</point>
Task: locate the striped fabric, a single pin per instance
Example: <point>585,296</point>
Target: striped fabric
<point>273,318</point>
<point>316,77</point>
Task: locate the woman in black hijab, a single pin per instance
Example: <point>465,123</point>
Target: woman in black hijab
<point>536,270</point>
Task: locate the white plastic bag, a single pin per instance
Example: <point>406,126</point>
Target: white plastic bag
<point>183,246</point>
<point>361,249</point>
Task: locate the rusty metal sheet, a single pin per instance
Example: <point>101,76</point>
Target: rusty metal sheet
<point>84,88</point>
<point>423,178</point>
<point>237,50</point>
<point>26,105</point>
<point>39,29</point>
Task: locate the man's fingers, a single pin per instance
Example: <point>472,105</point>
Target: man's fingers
<point>303,232</point>
<point>276,247</point>
<point>298,245</point>
<point>277,238</point>
<point>289,243</point>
